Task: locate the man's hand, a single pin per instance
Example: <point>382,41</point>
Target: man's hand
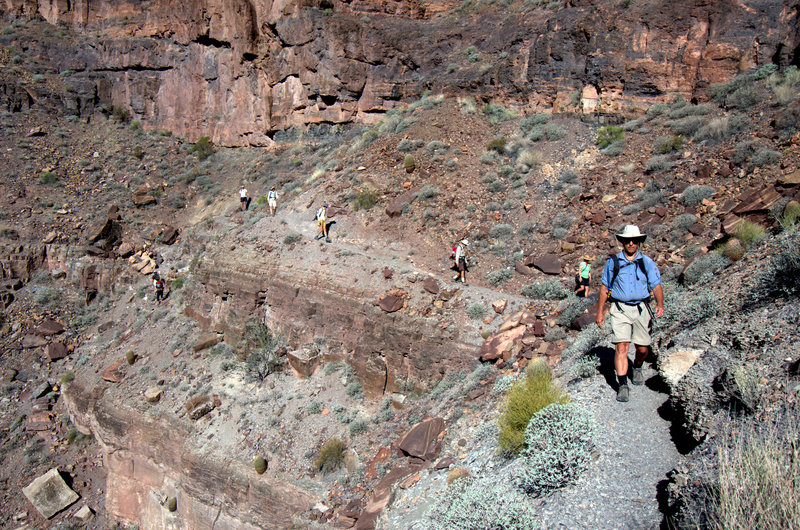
<point>600,320</point>
<point>659,311</point>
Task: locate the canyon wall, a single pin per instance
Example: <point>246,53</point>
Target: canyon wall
<point>240,70</point>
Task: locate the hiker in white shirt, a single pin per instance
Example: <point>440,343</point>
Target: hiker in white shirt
<point>272,200</point>
<point>243,197</point>
<point>322,223</point>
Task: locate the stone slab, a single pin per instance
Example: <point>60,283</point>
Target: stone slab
<point>49,494</point>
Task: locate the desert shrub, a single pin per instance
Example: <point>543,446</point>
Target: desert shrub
<point>365,200</point>
<point>358,426</point>
<point>354,389</point>
<point>67,377</point>
<point>682,223</point>
<point>573,190</point>
<point>691,110</point>
<point>571,308</point>
<point>501,231</point>
<point>658,163</point>
<point>658,109</point>
<point>686,126</point>
<point>749,233</point>
<point>584,367</point>
<point>406,145</point>
<point>472,504</point>
<point>554,132</point>
<point>496,186</point>
<point>203,148</point>
<point>546,289</point>
<point>476,311</point>
<point>704,268</point>
<point>493,206</point>
<point>526,228</point>
<point>559,444</point>
<point>497,144</point>
<point>788,121</point>
<point>632,125</point>
<point>667,144</point>
<point>566,177</point>
<point>695,194</point>
<point>743,97</point>
<point>437,147</point>
<point>499,276</point>
<point>530,157</point>
<point>121,114</point>
<point>734,250</point>
<point>652,194</point>
<point>526,124</point>
<point>313,408</point>
<point>292,237</point>
<point>48,177</point>
<point>524,399</point>
<point>468,105</point>
<point>757,487</point>
<point>428,192</point>
<point>608,135</point>
<point>765,157</point>
<point>717,129</point>
<point>615,148</point>
<point>790,216</point>
<point>331,455</point>
<point>265,357</point>
<point>632,208</point>
<point>497,113</point>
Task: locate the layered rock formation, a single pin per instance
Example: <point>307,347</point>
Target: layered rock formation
<point>149,460</point>
<point>240,71</point>
<point>387,351</point>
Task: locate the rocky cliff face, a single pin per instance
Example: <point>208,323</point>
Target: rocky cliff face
<point>388,352</point>
<point>239,71</point>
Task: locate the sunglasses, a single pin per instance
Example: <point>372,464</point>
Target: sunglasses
<point>626,241</point>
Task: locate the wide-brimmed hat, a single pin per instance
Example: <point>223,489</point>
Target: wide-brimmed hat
<point>464,242</point>
<point>631,232</point>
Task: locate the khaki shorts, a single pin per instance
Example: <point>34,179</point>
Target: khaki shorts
<point>630,324</point>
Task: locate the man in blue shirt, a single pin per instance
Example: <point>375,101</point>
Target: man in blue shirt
<point>627,282</point>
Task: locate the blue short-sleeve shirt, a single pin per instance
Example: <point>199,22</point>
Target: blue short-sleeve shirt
<point>631,284</point>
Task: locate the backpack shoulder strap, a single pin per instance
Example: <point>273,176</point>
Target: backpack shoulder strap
<point>614,271</point>
<point>644,270</point>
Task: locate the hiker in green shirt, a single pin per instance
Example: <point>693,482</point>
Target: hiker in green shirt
<point>584,277</point>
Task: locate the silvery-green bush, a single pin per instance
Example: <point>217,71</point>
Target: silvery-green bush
<point>471,504</point>
<point>559,448</point>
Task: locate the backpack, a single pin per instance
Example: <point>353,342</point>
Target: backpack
<point>615,271</point>
<point>159,285</point>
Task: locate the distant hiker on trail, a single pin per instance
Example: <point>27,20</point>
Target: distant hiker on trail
<point>584,277</point>
<point>243,197</point>
<point>158,285</point>
<point>322,220</point>
<point>461,260</point>
<point>628,280</point>
<point>272,200</point>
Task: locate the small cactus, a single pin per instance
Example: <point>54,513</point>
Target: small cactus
<point>409,164</point>
<point>130,356</point>
<point>172,504</point>
<point>260,464</point>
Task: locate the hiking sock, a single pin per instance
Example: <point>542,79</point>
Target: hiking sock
<point>623,380</point>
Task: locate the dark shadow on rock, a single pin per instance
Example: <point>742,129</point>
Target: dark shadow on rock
<point>657,384</point>
<point>328,227</point>
<point>684,443</point>
<point>606,356</point>
<point>662,496</point>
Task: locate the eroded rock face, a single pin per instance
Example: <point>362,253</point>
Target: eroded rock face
<point>149,458</point>
<point>239,71</point>
<point>384,349</point>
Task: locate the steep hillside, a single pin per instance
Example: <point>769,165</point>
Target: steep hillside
<point>271,343</point>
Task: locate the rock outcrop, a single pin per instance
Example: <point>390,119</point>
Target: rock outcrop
<point>240,72</point>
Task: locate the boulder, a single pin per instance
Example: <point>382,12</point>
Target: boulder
<point>494,347</point>
<point>758,201</point>
<point>49,494</point>
<point>56,351</point>
<point>206,340</point>
<point>391,302</point>
<point>675,365</point>
<point>421,439</point>
<point>143,200</point>
<point>153,394</point>
<point>387,273</point>
<point>789,179</point>
<point>582,321</point>
<point>499,306</point>
<point>125,250</point>
<point>110,232</point>
<point>49,327</point>
<point>114,372</point>
<point>304,362</point>
<point>33,341</point>
<point>548,264</point>
<point>395,206</point>
<point>169,235</point>
<point>521,268</point>
<point>431,285</point>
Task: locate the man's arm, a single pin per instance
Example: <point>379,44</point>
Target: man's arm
<point>600,319</point>
<point>658,292</point>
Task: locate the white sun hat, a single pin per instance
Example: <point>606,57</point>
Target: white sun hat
<point>631,232</point>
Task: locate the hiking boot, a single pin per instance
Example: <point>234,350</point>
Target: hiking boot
<point>622,393</point>
<point>638,377</point>
<point>327,240</point>
<point>463,280</point>
<point>455,278</point>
